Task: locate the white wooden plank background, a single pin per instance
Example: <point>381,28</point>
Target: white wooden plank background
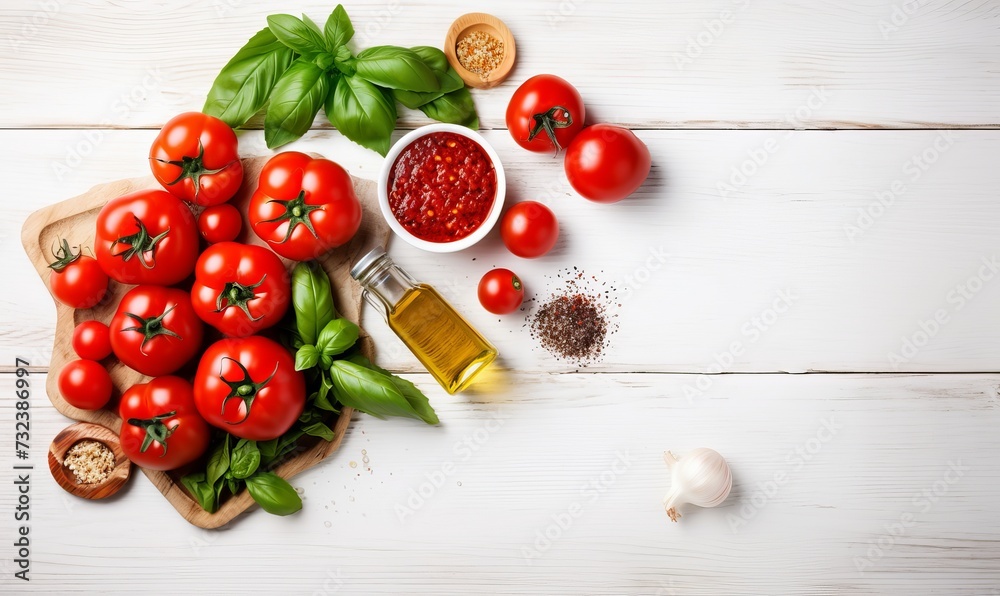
<point>85,84</point>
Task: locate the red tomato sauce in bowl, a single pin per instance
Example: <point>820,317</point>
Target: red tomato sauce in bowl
<point>442,187</point>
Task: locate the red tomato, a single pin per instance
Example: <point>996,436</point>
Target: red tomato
<point>240,289</point>
<point>500,291</point>
<point>529,229</point>
<point>303,206</point>
<point>606,163</point>
<point>76,279</point>
<point>545,113</point>
<point>195,157</point>
<point>220,223</point>
<point>161,427</point>
<point>155,330</point>
<point>147,237</point>
<point>92,340</point>
<point>249,387</point>
<point>85,384</point>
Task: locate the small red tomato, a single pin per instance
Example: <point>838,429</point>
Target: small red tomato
<point>545,113</point>
<point>500,291</point>
<point>220,223</point>
<point>76,279</point>
<point>196,158</point>
<point>85,384</point>
<point>155,330</point>
<point>92,340</point>
<point>529,229</point>
<point>606,163</point>
<point>161,427</point>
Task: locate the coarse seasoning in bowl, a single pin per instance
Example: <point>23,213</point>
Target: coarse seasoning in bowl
<point>441,188</point>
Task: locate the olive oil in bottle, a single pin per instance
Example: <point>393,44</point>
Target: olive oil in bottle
<point>444,342</point>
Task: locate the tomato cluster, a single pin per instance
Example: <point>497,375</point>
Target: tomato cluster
<point>603,163</point>
<point>192,282</point>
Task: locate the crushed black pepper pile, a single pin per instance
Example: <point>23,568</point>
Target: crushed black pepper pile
<point>575,321</point>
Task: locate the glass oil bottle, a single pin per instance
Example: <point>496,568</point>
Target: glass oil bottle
<point>444,342</point>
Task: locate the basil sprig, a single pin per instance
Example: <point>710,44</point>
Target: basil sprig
<point>295,68</point>
<point>334,366</point>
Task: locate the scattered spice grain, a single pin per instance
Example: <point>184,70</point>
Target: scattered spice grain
<point>575,322</point>
<point>480,52</point>
<point>90,461</point>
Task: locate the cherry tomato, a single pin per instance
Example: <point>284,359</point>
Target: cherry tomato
<point>155,330</point>
<point>146,237</point>
<point>249,387</point>
<point>195,157</point>
<point>161,427</point>
<point>529,229</point>
<point>220,223</point>
<point>76,279</point>
<point>85,384</point>
<point>545,113</point>
<point>240,289</point>
<point>92,340</point>
<point>606,163</point>
<point>500,291</point>
<point>303,206</point>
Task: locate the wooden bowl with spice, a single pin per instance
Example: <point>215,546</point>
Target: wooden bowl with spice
<point>87,460</point>
<point>481,49</point>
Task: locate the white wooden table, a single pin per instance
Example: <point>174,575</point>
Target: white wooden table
<point>866,133</point>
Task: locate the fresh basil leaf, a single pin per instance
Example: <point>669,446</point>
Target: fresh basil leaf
<point>447,77</point>
<point>322,400</point>
<point>369,391</point>
<point>201,490</point>
<point>296,34</point>
<point>273,493</point>
<point>337,337</point>
<point>218,462</point>
<point>243,85</point>
<point>362,113</point>
<point>312,299</point>
<point>295,100</point>
<point>396,68</point>
<point>245,459</point>
<point>318,429</point>
<point>338,29</point>
<point>217,488</point>
<point>414,396</point>
<point>233,485</point>
<point>449,80</point>
<point>306,357</point>
<point>456,107</point>
<point>268,449</point>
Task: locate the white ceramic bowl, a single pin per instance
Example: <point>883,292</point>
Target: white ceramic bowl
<point>383,189</point>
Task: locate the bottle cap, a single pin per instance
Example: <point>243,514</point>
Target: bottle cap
<point>366,261</point>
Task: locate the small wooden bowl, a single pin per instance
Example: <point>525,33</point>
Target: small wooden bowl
<point>72,435</point>
<point>479,21</point>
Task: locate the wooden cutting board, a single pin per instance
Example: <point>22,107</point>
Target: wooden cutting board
<point>75,219</point>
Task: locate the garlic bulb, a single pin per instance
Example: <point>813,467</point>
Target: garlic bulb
<point>701,477</point>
